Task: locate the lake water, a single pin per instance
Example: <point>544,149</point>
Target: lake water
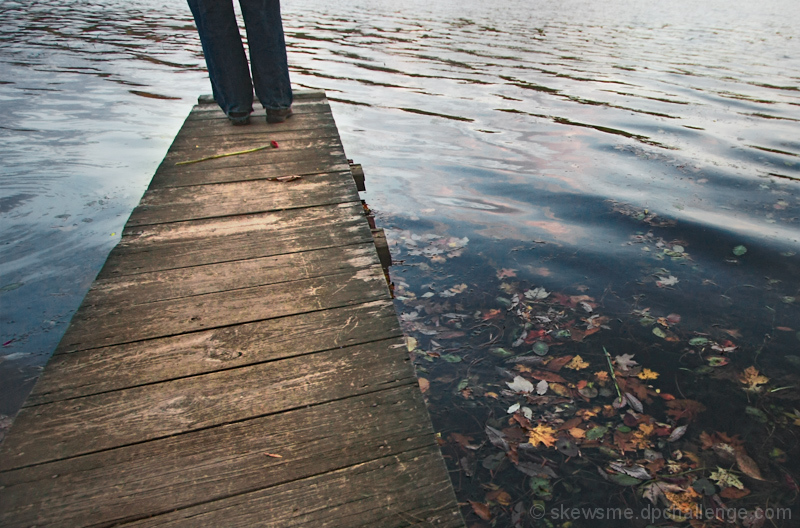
<point>568,176</point>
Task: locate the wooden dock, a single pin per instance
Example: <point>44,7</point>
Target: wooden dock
<point>238,361</point>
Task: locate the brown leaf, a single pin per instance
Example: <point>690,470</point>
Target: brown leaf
<point>547,376</point>
<point>462,440</point>
<point>500,496</point>
<point>748,465</point>
<point>481,510</point>
<point>558,363</point>
<point>734,493</point>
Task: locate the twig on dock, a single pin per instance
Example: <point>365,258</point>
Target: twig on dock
<point>271,145</point>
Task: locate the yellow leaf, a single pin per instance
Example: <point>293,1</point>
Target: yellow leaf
<point>752,379</point>
<point>601,376</point>
<point>646,429</point>
<point>647,374</point>
<point>411,343</point>
<point>542,434</point>
<point>576,364</point>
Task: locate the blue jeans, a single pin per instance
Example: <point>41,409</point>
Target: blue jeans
<point>225,57</point>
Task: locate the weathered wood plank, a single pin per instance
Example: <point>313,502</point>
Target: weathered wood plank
<point>184,244</point>
<point>259,157</point>
<point>300,107</point>
<point>181,471</point>
<point>409,489</point>
<point>70,428</point>
<point>225,199</point>
<point>282,163</point>
<point>225,276</point>
<point>313,125</point>
<point>299,94</point>
<point>73,373</point>
<point>104,325</point>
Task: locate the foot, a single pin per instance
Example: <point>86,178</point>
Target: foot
<point>279,115</point>
<point>239,118</point>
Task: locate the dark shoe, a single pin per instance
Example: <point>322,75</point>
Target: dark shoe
<point>239,118</point>
<point>278,116</point>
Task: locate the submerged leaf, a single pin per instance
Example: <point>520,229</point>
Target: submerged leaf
<point>481,510</point>
<point>726,479</point>
<point>752,379</point>
<point>577,363</point>
<point>542,434</point>
<point>748,465</point>
<point>520,384</point>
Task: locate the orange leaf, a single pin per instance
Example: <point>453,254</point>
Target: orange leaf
<point>424,385</point>
<point>481,510</point>
<point>752,379</point>
<point>542,434</point>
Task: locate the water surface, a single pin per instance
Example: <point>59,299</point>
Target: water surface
<point>620,175</point>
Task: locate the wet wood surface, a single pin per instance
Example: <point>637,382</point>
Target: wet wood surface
<point>238,361</point>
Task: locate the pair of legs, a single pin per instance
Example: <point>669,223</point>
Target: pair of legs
<point>226,60</point>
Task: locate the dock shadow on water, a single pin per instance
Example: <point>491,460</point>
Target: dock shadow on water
<point>593,211</point>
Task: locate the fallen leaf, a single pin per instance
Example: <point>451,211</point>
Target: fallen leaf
<point>734,493</point>
<point>547,376</point>
<point>558,363</point>
<point>496,437</point>
<point>542,434</point>
<point>625,362</point>
<point>424,385</point>
<point>752,379</point>
<point>284,179</point>
<point>499,496</point>
<point>506,272</point>
<point>748,465</point>
<point>726,479</point>
<point>520,384</point>
<point>647,374</point>
<point>541,387</point>
<point>481,510</point>
<point>273,455</point>
<point>663,282</point>
<point>577,363</point>
<point>677,433</point>
<point>578,433</point>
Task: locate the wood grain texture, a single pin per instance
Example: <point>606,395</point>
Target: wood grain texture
<point>216,463</point>
<point>261,157</point>
<point>404,490</point>
<point>70,428</point>
<point>310,126</point>
<point>185,244</point>
<point>74,373</point>
<point>225,276</point>
<point>281,164</point>
<point>226,199</point>
<point>104,325</point>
